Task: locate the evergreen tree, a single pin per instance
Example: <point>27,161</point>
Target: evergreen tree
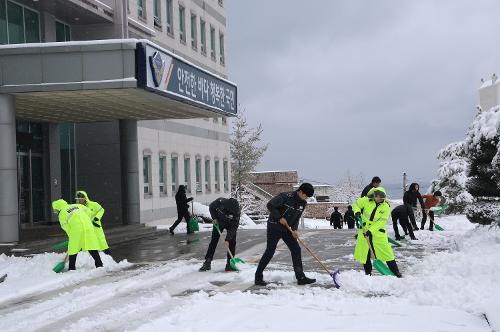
<point>482,147</point>
<point>452,177</point>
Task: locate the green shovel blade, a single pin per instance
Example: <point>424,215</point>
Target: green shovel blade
<point>59,267</point>
<point>63,244</point>
<point>382,268</point>
<point>234,261</point>
<point>439,228</point>
<point>394,242</point>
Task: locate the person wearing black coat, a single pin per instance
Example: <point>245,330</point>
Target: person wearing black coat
<point>349,217</point>
<point>374,184</point>
<point>410,198</point>
<point>181,201</point>
<point>336,218</point>
<point>401,213</point>
<point>226,213</point>
<point>285,210</point>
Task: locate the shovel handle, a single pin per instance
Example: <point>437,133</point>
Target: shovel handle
<point>310,251</point>
<point>216,226</point>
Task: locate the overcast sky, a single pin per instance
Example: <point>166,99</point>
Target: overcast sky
<point>374,87</point>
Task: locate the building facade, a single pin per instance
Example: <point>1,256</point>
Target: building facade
<point>54,158</point>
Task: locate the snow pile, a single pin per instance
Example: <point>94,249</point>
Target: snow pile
<point>27,275</point>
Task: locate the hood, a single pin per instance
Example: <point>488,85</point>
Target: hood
<point>81,192</point>
<point>370,193</point>
<point>412,186</point>
<point>59,205</point>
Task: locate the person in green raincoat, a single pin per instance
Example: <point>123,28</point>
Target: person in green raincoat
<point>95,212</point>
<point>373,211</point>
<point>77,225</point>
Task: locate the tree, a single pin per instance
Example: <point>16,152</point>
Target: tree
<point>452,177</point>
<point>348,188</point>
<point>245,152</point>
<point>482,147</point>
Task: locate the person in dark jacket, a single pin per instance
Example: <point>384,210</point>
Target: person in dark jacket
<point>336,218</point>
<point>401,213</point>
<point>349,217</point>
<point>182,208</point>
<point>374,184</point>
<point>410,198</point>
<point>226,213</point>
<point>285,211</point>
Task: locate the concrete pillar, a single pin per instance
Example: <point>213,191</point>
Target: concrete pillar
<point>52,168</point>
<point>9,223</point>
<point>130,172</point>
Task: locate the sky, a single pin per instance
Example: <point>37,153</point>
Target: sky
<point>369,87</point>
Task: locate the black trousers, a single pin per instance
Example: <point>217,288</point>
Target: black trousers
<point>350,225</point>
<point>405,224</point>
<point>337,225</point>
<point>181,216</point>
<point>412,217</point>
<point>368,265</point>
<point>213,245</point>
<point>276,232</point>
<point>431,219</point>
<point>93,253</point>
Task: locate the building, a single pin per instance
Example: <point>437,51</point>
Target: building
<point>131,102</point>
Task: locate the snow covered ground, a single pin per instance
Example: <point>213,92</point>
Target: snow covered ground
<point>449,290</point>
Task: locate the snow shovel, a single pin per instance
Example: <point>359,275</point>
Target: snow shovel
<point>60,266</point>
<point>193,222</point>
<point>378,264</point>
<point>63,244</point>
<point>332,274</point>
<point>394,242</point>
<point>234,260</point>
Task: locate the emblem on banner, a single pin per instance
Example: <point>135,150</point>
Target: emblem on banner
<point>157,67</point>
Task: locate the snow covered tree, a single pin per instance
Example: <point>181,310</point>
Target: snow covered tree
<point>482,147</point>
<point>348,188</point>
<point>452,177</point>
<point>245,152</point>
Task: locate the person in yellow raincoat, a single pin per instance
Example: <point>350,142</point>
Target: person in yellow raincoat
<point>95,212</point>
<point>77,225</point>
<point>373,210</point>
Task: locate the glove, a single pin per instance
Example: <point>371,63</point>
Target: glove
<point>358,216</point>
<point>96,224</point>
<point>368,233</point>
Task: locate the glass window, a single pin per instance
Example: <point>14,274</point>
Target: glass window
<point>198,175</point>
<point>63,32</point>
<point>174,173</point>
<point>32,26</point>
<point>170,11</point>
<point>182,24</point>
<point>194,42</point>
<point>224,120</point>
<point>212,42</point>
<point>207,176</point>
<point>221,48</point>
<point>157,13</point>
<point>161,170</point>
<point>203,37</point>
<point>187,174</point>
<point>141,10</point>
<point>146,166</point>
<point>217,176</point>
<point>16,23</point>
<point>3,23</point>
<point>226,175</point>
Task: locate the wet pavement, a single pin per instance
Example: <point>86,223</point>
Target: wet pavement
<point>334,247</point>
